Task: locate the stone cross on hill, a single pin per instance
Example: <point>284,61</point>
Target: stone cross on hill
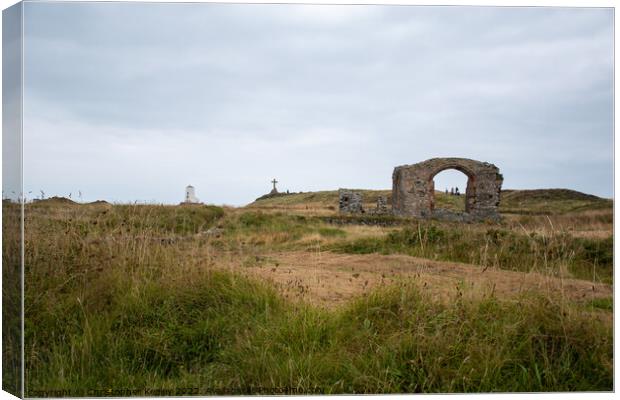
<point>274,190</point>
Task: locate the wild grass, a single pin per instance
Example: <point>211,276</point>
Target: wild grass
<point>125,296</point>
<point>221,333</point>
<point>399,341</point>
<point>11,297</point>
<point>606,303</point>
<point>555,254</point>
<point>575,223</point>
<point>269,231</point>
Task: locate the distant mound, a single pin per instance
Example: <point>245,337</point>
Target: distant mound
<point>550,201</point>
<point>99,202</point>
<point>272,195</point>
<point>546,194</point>
<point>324,199</point>
<point>536,201</point>
<point>55,200</point>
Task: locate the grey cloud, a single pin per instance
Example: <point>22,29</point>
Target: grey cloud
<point>11,103</point>
<point>378,86</point>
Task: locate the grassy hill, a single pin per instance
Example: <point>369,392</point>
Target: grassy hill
<point>551,201</point>
<point>539,201</point>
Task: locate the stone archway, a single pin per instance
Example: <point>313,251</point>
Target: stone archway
<point>413,187</point>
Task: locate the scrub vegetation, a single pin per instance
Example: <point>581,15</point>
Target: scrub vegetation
<point>204,300</point>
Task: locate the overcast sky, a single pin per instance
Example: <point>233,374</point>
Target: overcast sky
<point>130,101</point>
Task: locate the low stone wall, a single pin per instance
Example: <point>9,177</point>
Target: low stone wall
<point>350,202</point>
<point>381,208</point>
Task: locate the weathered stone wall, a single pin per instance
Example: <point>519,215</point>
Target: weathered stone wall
<point>382,207</point>
<point>413,187</point>
<point>350,201</point>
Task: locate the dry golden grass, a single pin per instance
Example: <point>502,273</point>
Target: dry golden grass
<point>331,280</point>
<point>540,211</point>
<point>163,296</point>
<point>587,223</point>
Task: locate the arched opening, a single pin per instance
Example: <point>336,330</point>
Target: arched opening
<point>452,190</point>
<point>413,189</point>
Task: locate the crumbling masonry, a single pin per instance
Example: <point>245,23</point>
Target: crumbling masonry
<point>382,207</point>
<point>413,191</point>
<point>350,202</point>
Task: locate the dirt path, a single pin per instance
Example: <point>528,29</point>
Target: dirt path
<point>330,279</point>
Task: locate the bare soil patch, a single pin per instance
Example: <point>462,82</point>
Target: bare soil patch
<point>329,279</point>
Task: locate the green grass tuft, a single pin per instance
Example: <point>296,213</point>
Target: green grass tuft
<point>225,333</point>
